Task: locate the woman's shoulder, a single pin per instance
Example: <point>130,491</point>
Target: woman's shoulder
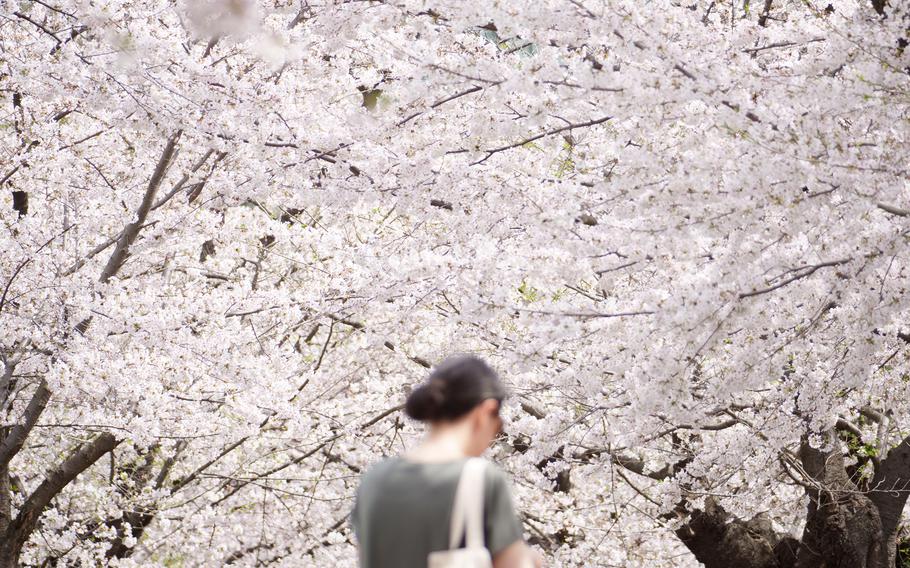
<point>495,474</point>
<point>379,468</point>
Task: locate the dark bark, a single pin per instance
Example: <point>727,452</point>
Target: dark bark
<point>136,518</point>
<point>21,528</point>
<point>763,19</point>
<point>846,526</point>
<point>563,479</point>
<point>718,540</point>
<point>637,465</point>
<point>890,489</point>
<point>6,510</point>
<point>843,528</point>
<point>195,190</point>
<point>132,523</point>
<point>879,6</point>
<point>842,531</point>
<point>12,442</point>
<point>20,203</point>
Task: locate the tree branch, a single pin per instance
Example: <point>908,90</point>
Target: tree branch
<point>544,134</point>
<point>9,367</point>
<point>17,434</point>
<point>27,519</point>
<point>186,177</point>
<point>388,344</point>
<point>96,251</point>
<point>893,210</point>
<point>183,482</point>
<point>809,270</point>
<point>132,229</point>
<point>380,416</point>
<point>775,45</point>
<point>276,469</point>
<point>637,465</point>
<point>26,261</point>
<point>38,25</point>
<point>842,527</point>
<point>443,101</point>
<point>845,425</point>
<point>763,19</point>
<point>872,414</point>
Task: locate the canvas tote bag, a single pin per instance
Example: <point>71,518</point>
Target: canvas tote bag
<point>467,521</point>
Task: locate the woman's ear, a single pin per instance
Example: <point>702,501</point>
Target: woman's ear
<point>490,406</point>
<point>480,414</point>
<point>488,411</point>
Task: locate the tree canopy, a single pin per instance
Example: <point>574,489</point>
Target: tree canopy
<point>237,232</point>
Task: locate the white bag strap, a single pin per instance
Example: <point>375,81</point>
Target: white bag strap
<point>467,512</point>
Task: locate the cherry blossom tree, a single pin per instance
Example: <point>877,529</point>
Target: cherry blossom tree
<point>238,231</point>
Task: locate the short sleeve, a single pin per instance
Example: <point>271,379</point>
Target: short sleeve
<point>502,526</point>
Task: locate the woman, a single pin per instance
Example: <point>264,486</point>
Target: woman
<point>403,503</point>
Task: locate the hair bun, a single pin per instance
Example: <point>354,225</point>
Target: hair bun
<point>426,401</point>
<point>453,388</point>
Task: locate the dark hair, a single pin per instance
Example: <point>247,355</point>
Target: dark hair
<point>454,387</point>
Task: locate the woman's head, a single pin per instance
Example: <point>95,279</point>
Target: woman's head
<point>461,388</point>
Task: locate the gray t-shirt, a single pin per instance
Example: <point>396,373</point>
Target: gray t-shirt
<point>402,512</point>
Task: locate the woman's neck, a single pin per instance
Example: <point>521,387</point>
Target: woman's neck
<point>443,443</point>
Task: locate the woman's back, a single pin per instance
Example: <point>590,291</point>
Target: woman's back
<point>403,508</point>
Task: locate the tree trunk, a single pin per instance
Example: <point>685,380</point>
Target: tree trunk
<point>718,540</point>
<point>890,485</point>
<point>843,531</point>
<point>5,497</point>
<point>845,527</point>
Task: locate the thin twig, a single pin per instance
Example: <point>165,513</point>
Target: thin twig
<point>809,271</point>
<point>441,102</point>
<point>544,134</point>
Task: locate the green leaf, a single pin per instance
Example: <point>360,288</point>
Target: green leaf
<point>528,293</point>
